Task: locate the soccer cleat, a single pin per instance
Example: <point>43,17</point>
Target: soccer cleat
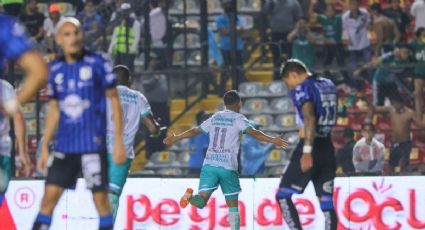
<point>184,201</point>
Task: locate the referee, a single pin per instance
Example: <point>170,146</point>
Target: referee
<point>78,86</point>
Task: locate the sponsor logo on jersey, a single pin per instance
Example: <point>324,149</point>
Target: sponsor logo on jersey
<point>85,73</point>
<point>73,106</point>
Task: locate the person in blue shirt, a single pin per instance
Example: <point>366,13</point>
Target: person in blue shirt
<point>15,45</point>
<point>198,146</point>
<point>315,100</point>
<point>224,29</point>
<point>254,154</point>
<point>78,86</point>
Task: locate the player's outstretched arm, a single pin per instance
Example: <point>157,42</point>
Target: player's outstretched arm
<point>119,150</point>
<point>259,135</point>
<point>310,133</point>
<point>173,138</point>
<point>36,73</point>
<point>19,125</point>
<point>52,118</point>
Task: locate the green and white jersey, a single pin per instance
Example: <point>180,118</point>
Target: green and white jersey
<point>6,93</point>
<point>419,49</point>
<point>134,106</point>
<point>225,129</point>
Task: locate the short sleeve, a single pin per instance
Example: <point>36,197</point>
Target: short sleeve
<point>51,89</point>
<point>107,76</point>
<point>220,24</point>
<point>16,42</point>
<point>145,106</point>
<point>302,94</point>
<point>243,124</point>
<point>7,91</point>
<point>206,126</point>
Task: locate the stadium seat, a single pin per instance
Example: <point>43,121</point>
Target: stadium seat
<point>194,58</point>
<point>183,158</point>
<point>285,122</point>
<point>292,137</point>
<point>265,121</point>
<point>254,106</point>
<point>250,89</point>
<point>180,146</point>
<point>29,110</point>
<point>281,105</point>
<point>170,172</point>
<point>275,88</point>
<point>66,9</point>
<point>247,22</point>
<point>275,158</point>
<point>193,41</point>
<point>163,158</point>
<point>214,6</point>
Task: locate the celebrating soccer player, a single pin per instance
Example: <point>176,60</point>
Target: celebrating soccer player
<point>313,159</point>
<point>221,161</point>
<point>135,106</point>
<point>78,85</point>
<point>14,45</point>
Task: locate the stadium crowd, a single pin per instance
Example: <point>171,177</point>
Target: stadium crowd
<point>374,51</point>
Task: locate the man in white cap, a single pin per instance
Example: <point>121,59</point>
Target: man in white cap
<point>79,84</point>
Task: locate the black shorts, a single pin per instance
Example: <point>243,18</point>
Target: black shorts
<point>400,151</point>
<point>322,174</point>
<point>64,170</point>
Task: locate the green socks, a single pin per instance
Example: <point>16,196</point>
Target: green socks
<point>197,201</point>
<point>114,201</point>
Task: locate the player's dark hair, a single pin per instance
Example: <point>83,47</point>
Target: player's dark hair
<point>123,74</point>
<point>292,65</point>
<point>231,98</point>
<point>419,31</point>
<point>368,124</point>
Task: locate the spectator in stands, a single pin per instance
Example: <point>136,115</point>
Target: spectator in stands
<point>386,31</point>
<point>390,66</point>
<point>198,146</point>
<point>155,88</point>
<point>125,38</point>
<point>92,24</point>
<point>224,29</point>
<point>284,15</point>
<point>399,16</point>
<point>331,23</point>
<point>344,156</point>
<point>302,43</point>
<point>33,21</point>
<point>419,49</point>
<point>418,11</point>
<point>368,152</point>
<point>401,121</point>
<point>12,7</point>
<point>158,30</point>
<point>254,154</point>
<point>49,26</point>
<point>355,23</point>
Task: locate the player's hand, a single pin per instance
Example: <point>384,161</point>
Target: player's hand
<point>43,160</point>
<point>170,139</point>
<point>306,162</point>
<point>119,155</point>
<point>280,142</point>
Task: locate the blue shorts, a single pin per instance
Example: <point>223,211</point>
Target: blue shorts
<point>211,177</point>
<point>5,173</point>
<point>117,174</point>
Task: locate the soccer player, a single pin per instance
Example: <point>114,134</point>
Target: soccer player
<point>135,107</point>
<point>14,45</point>
<point>7,93</point>
<point>78,85</point>
<point>313,159</point>
<point>221,161</point>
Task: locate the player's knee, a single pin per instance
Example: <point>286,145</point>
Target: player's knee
<point>284,194</point>
<point>326,202</point>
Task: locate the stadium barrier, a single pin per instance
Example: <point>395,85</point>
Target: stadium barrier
<point>152,203</point>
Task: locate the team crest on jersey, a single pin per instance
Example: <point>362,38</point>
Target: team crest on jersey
<point>59,78</point>
<point>85,73</point>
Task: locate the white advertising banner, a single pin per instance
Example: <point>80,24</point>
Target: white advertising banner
<point>153,203</point>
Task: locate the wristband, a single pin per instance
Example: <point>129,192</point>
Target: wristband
<point>307,149</point>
